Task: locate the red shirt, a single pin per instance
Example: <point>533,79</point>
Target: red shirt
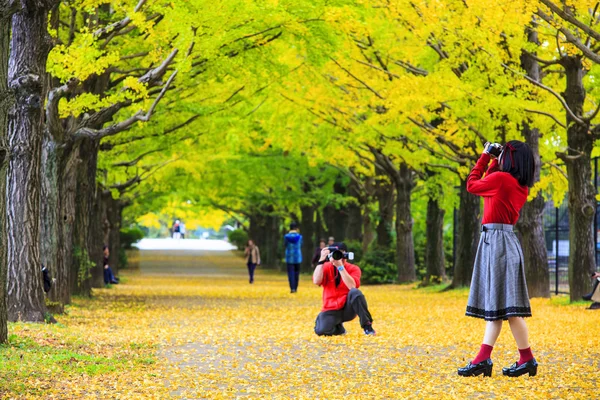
<point>503,196</point>
<point>334,298</point>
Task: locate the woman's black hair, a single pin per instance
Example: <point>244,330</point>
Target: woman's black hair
<point>517,160</point>
<point>104,247</point>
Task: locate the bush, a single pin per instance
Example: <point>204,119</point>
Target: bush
<point>378,266</point>
<point>239,238</point>
<point>130,236</point>
<point>355,246</point>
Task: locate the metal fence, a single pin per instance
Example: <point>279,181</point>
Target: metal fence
<point>556,227</point>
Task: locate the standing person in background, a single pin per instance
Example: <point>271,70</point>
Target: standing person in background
<point>252,258</point>
<point>109,277</point>
<point>182,229</point>
<point>293,255</point>
<point>498,287</point>
<point>176,230</point>
<point>331,241</point>
<point>317,255</point>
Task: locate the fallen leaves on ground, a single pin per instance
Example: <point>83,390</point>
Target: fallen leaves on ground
<point>218,337</point>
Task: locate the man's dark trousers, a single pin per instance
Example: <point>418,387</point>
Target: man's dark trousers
<point>293,275</point>
<point>329,322</point>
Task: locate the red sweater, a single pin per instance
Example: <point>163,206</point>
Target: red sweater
<point>334,298</point>
<point>502,195</point>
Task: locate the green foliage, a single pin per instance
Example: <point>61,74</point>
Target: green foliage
<point>84,266</point>
<point>379,266</point>
<point>355,246</point>
<point>130,236</point>
<point>239,238</point>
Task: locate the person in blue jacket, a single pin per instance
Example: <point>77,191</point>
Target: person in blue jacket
<point>293,255</point>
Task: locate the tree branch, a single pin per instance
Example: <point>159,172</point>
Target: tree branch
<point>569,18</point>
<point>137,159</point>
<point>558,168</point>
<point>546,114</point>
<point>357,79</point>
<point>106,31</point>
<point>98,134</point>
<point>558,96</point>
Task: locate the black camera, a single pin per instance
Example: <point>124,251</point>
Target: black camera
<point>338,254</point>
<point>495,149</point>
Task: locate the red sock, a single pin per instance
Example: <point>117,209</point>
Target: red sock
<point>525,355</point>
<point>484,353</point>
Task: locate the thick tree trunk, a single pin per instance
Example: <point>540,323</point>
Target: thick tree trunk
<point>5,103</point>
<point>86,260</point>
<point>367,228</point>
<point>531,222</point>
<point>405,249</point>
<point>264,230</point>
<point>531,229</point>
<point>50,220</point>
<point>307,227</point>
<point>435,260</point>
<point>582,194</point>
<point>27,70</point>
<point>384,192</point>
<point>467,231</point>
<point>67,278</point>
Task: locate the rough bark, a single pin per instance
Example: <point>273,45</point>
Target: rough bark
<point>50,219</point>
<point>435,260</point>
<point>5,104</point>
<point>66,269</point>
<point>27,70</point>
<point>405,249</point>
<point>531,222</point>
<point>467,232</point>
<point>582,194</point>
<point>307,227</point>
<point>264,230</point>
<point>384,192</point>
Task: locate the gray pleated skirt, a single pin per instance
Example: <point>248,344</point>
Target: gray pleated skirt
<point>498,287</point>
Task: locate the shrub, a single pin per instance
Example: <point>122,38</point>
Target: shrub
<point>378,266</point>
<point>239,238</point>
<point>130,236</point>
<point>355,246</point>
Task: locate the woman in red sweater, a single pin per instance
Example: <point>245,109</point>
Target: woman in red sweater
<point>498,287</point>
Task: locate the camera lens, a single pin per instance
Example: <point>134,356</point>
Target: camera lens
<point>337,255</point>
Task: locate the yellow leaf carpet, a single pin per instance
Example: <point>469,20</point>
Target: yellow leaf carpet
<point>188,325</point>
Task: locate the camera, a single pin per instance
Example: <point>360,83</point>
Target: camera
<point>495,149</point>
<point>338,254</point>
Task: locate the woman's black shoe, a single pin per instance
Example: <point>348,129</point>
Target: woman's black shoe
<point>518,370</point>
<point>484,367</point>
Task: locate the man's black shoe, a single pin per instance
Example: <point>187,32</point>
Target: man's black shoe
<point>518,370</point>
<point>484,367</point>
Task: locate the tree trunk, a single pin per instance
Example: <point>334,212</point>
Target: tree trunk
<point>467,231</point>
<point>354,225</point>
<point>85,260</point>
<point>367,228</point>
<point>67,278</point>
<point>27,70</point>
<point>582,194</point>
<point>384,191</point>
<point>115,218</point>
<point>307,228</point>
<point>531,229</point>
<point>435,260</point>
<point>5,104</point>
<point>49,218</point>
<point>405,249</point>
<point>531,221</point>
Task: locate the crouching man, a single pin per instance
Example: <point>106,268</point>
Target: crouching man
<point>342,301</point>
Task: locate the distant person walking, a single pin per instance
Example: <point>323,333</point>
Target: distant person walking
<point>293,255</point>
<point>317,255</point>
<point>176,230</point>
<point>182,230</point>
<point>252,258</point>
